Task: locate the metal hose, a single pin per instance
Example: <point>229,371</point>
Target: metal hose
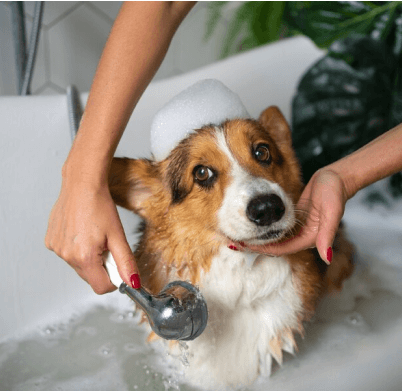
<point>74,110</point>
<point>33,46</point>
<point>18,23</point>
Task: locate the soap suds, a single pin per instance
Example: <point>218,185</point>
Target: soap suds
<point>206,102</point>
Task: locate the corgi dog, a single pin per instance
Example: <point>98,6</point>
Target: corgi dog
<point>236,182</point>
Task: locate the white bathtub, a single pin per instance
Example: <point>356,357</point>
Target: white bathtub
<point>37,287</point>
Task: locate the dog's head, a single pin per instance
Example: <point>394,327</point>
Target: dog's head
<point>235,182</point>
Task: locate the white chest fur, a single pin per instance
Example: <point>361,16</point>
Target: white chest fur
<point>251,302</point>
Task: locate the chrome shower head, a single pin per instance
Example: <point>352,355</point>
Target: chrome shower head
<point>169,316</point>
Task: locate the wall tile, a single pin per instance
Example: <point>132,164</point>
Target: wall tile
<point>8,77</point>
<point>194,50</point>
<point>76,44</point>
<point>40,73</point>
<point>53,10</point>
<point>73,36</point>
<point>50,89</point>
<point>109,8</point>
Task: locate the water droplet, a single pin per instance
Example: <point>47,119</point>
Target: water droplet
<point>105,351</point>
<point>317,150</point>
<point>355,319</point>
<point>375,34</point>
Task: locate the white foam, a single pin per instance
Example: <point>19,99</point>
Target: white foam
<point>206,102</point>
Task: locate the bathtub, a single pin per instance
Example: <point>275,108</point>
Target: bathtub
<point>348,347</point>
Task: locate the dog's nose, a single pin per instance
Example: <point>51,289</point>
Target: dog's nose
<point>265,209</point>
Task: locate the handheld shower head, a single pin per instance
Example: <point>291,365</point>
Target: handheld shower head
<point>169,317</point>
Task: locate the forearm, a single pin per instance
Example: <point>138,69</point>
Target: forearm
<point>136,47</point>
<point>376,160</point>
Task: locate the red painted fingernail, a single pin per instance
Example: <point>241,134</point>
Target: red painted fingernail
<point>135,281</point>
<point>329,254</point>
<point>233,247</point>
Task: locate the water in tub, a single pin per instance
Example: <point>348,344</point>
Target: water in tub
<point>353,343</point>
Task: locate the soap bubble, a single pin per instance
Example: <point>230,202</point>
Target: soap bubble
<point>355,319</point>
<point>206,102</point>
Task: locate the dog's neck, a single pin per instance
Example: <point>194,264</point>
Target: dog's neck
<point>186,253</point>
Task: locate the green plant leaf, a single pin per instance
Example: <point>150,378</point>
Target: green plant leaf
<point>395,185</point>
<point>326,21</point>
<point>343,102</point>
<point>214,16</point>
<point>265,24</point>
<point>254,23</point>
<point>258,23</point>
<point>397,43</point>
<point>236,27</point>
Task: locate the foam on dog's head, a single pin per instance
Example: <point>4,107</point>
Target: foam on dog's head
<point>204,103</point>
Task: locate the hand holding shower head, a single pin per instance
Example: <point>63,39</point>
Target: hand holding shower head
<point>169,317</point>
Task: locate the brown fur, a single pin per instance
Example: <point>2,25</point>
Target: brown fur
<point>180,234</point>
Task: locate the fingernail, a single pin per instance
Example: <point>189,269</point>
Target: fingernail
<point>233,247</point>
<point>329,254</point>
<point>135,281</point>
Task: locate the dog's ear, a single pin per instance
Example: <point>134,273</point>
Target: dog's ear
<point>132,183</point>
<point>275,123</point>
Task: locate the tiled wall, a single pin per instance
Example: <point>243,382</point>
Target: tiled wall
<point>72,38</point>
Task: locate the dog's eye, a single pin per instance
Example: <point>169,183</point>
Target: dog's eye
<point>202,173</point>
<point>261,153</point>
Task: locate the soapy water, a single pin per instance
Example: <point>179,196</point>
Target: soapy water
<point>353,343</point>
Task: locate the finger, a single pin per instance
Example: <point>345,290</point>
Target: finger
<point>331,215</point>
<point>124,258</point>
<point>305,239</point>
<point>91,270</point>
<point>98,278</point>
<point>325,238</point>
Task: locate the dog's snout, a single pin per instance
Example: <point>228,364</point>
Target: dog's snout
<point>265,209</point>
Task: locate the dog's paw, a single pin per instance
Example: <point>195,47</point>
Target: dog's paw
<point>282,342</point>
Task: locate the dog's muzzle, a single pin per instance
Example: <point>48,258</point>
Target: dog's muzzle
<point>265,209</point>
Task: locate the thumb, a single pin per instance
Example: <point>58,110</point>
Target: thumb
<point>329,223</point>
<point>305,239</point>
<point>325,239</point>
<point>124,258</point>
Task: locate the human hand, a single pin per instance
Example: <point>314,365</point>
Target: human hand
<point>320,209</point>
<point>84,223</point>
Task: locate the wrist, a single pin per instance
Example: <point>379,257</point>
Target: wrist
<point>83,169</point>
<point>346,176</point>
<point>90,158</point>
